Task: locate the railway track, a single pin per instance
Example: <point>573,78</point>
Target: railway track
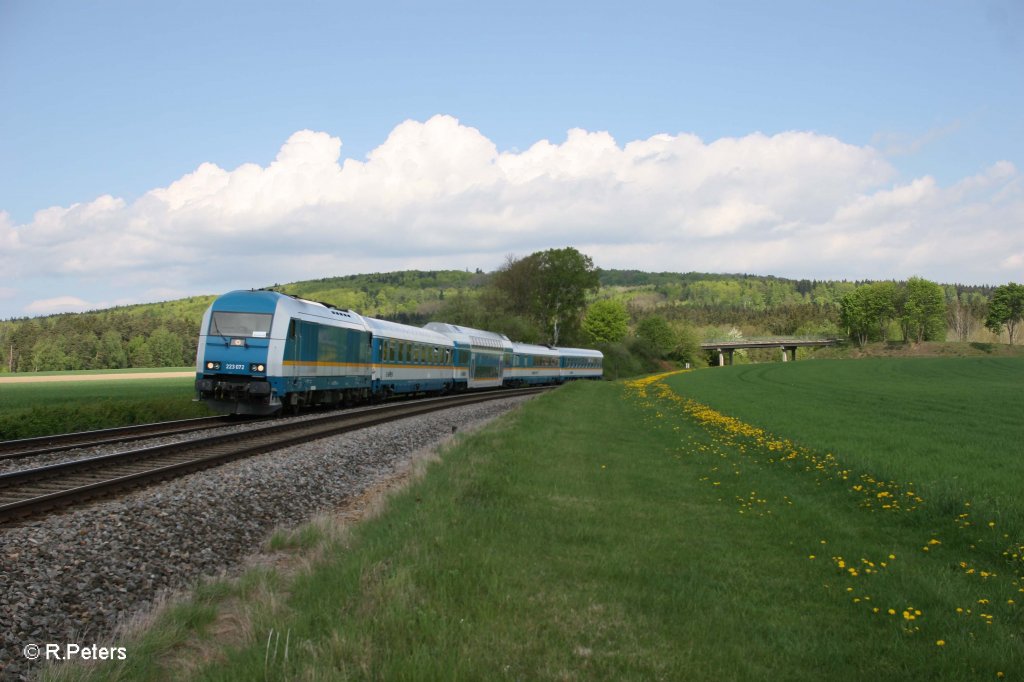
<point>43,445</point>
<point>32,491</point>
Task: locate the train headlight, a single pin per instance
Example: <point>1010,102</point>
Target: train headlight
<point>212,365</point>
<point>257,367</point>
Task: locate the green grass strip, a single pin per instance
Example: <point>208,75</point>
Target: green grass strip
<point>28,410</point>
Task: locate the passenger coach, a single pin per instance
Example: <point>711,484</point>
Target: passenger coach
<point>532,364</point>
<point>580,363</point>
<point>480,356</point>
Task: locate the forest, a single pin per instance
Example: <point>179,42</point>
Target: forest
<point>556,296</point>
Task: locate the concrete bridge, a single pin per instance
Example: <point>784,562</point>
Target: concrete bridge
<point>788,346</point>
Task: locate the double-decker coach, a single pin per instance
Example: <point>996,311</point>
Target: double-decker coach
<point>480,356</point>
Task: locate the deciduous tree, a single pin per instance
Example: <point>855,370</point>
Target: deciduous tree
<point>924,310</point>
<point>550,286</point>
<point>964,313</point>
<point>606,321</point>
<point>1006,309</point>
<point>655,330</point>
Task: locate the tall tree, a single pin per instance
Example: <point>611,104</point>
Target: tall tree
<point>883,302</point>
<point>924,311</point>
<point>856,314</point>
<point>1006,309</point>
<point>566,276</point>
<point>550,287</point>
<point>964,313</point>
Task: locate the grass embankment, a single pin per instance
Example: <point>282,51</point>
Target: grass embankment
<point>39,409</point>
<point>611,533</point>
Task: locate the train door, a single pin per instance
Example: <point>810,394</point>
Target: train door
<point>291,346</point>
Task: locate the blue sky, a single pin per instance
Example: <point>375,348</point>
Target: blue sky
<point>904,103</point>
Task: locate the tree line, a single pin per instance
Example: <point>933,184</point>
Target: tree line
<point>922,310</point>
<point>555,297</point>
<point>111,340</point>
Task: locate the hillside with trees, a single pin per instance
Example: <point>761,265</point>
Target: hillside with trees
<point>557,296</point>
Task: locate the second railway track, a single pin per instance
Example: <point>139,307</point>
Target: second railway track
<point>43,445</point>
<point>32,491</point>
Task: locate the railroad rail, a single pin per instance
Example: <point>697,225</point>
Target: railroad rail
<point>31,491</point>
<point>42,445</point>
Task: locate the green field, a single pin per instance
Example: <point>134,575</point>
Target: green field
<point>622,531</point>
<point>953,426</point>
<point>36,409</point>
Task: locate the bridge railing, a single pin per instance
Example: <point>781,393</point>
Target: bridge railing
<point>768,341</point>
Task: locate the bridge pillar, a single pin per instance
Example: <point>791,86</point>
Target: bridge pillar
<point>785,353</point>
<point>721,358</point>
<point>793,349</point>
<point>731,351</point>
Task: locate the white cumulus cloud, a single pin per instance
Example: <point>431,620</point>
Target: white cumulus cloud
<point>440,194</point>
<point>58,304</point>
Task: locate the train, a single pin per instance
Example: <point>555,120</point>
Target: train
<point>262,352</point>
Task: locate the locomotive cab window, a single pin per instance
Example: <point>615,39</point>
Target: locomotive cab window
<point>240,324</point>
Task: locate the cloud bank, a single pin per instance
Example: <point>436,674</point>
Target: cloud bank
<point>439,194</point>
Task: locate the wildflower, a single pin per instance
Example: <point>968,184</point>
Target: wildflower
<point>940,642</point>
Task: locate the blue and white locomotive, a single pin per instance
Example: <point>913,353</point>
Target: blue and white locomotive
<point>263,351</point>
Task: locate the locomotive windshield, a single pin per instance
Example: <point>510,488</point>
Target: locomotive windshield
<point>240,324</point>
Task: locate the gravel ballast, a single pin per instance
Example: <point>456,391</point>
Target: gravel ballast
<point>74,576</point>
